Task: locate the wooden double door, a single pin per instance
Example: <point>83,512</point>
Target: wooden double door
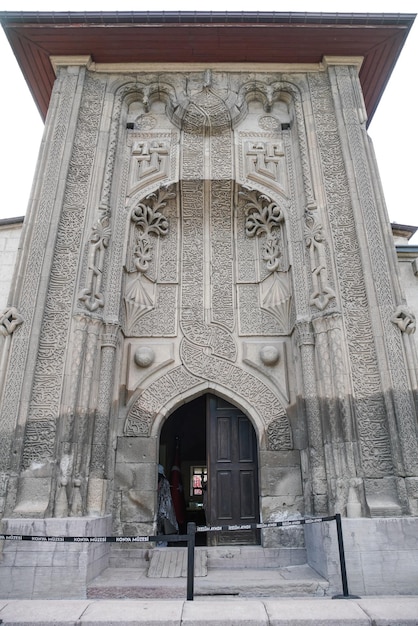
<point>233,497</point>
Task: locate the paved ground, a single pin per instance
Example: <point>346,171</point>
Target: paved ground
<point>376,611</point>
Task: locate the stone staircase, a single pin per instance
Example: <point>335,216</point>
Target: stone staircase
<point>244,571</point>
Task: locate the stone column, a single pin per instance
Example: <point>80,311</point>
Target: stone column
<point>317,487</point>
<point>337,419</point>
<point>376,253</point>
<point>96,497</point>
<point>34,374</point>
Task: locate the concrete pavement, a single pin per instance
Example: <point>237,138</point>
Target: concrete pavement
<point>371,611</point>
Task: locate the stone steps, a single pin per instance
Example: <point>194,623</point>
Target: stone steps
<point>254,557</point>
<point>244,571</point>
<point>293,581</point>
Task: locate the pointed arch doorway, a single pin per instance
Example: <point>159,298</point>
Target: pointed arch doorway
<point>215,445</point>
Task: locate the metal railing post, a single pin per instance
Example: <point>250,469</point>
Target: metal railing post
<point>191,540</point>
<point>342,560</point>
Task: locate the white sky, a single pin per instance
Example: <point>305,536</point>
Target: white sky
<point>394,129</point>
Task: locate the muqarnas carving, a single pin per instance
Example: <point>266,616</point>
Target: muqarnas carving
<point>148,226</point>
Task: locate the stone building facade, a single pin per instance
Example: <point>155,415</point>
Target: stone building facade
<point>207,254</point>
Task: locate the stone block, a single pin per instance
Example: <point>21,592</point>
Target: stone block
<point>319,612</point>
<point>382,497</point>
<point>69,582</point>
<point>33,496</point>
<point>124,612</point>
<point>137,506</point>
<point>63,613</point>
<point>412,490</point>
<point>133,529</point>
<point>283,537</point>
<point>53,569</point>
<point>280,481</point>
<point>376,558</point>
<point>386,612</point>
<point>222,613</point>
<point>136,450</point>
<point>136,476</point>
<point>283,458</point>
<point>279,508</point>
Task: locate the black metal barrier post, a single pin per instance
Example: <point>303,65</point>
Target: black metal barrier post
<point>345,594</point>
<point>191,540</point>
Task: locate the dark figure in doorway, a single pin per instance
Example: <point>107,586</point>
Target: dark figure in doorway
<point>166,517</point>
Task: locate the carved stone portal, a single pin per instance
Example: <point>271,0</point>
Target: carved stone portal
<point>199,248</point>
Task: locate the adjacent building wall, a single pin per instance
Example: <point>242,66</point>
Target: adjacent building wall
<point>10,231</point>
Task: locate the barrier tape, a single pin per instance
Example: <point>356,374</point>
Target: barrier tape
<point>285,523</point>
<point>144,539</point>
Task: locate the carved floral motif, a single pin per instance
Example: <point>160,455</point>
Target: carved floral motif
<point>265,220</point>
<point>315,242</point>
<point>91,295</point>
<point>150,224</point>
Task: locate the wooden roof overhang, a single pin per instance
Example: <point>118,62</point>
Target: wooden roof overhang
<point>200,37</point>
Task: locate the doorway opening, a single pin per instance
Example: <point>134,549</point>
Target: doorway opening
<point>208,448</point>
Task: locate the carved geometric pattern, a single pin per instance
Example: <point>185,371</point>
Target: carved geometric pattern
<point>269,94</point>
<point>403,399</point>
<point>29,293</point>
<point>152,400</point>
<point>151,160</point>
<point>10,319</point>
<point>278,435</point>
<point>46,391</point>
<point>404,319</point>
<point>240,382</point>
<point>101,418</point>
<point>264,160</point>
<point>39,441</point>
<point>369,405</point>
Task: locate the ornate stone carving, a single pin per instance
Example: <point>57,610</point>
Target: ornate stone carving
<point>269,355</point>
<point>10,319</point>
<point>145,408</point>
<point>230,376</point>
<point>264,216</point>
<point>148,221</point>
<point>278,435</point>
<point>145,122</point>
<point>151,160</point>
<point>315,242</point>
<point>404,319</point>
<point>144,356</point>
<point>150,224</point>
<point>269,122</point>
<point>265,220</point>
<point>91,295</point>
<point>47,387</point>
<point>405,428</point>
<point>269,94</point>
<point>63,98</point>
<point>39,441</point>
<point>369,404</point>
<point>263,160</point>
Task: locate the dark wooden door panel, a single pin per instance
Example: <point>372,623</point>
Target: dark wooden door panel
<point>232,472</point>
